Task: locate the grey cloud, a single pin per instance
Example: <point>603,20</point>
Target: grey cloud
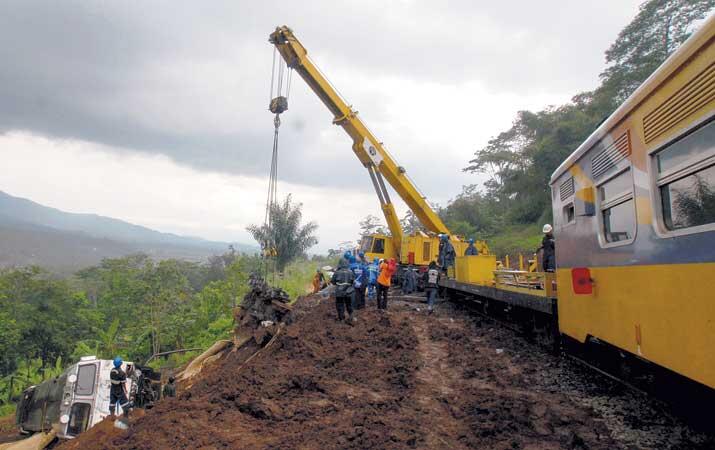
<point>190,80</point>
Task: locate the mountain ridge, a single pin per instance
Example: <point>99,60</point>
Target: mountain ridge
<point>32,233</point>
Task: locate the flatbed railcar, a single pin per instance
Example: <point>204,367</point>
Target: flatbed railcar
<point>634,221</point>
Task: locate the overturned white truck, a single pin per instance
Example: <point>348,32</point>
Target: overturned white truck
<point>79,398</point>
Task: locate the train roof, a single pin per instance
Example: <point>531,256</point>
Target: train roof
<point>669,66</point>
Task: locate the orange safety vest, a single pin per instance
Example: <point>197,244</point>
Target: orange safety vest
<point>386,274</point>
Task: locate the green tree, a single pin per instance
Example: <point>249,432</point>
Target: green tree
<point>371,225</point>
<point>410,223</point>
<point>286,234</point>
<point>519,161</point>
<point>660,27</point>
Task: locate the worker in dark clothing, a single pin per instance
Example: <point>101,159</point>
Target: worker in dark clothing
<point>409,280</point>
<point>343,279</point>
<point>471,249</point>
<point>447,253</point>
<point>440,248</point>
<point>548,245</point>
<point>360,283</point>
<point>169,388</point>
<point>118,389</point>
<point>431,278</point>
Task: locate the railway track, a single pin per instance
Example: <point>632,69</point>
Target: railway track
<point>668,399</point>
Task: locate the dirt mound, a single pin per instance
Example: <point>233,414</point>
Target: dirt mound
<point>320,384</point>
<point>396,380</point>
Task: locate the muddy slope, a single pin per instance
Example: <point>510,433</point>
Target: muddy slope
<point>398,380</point>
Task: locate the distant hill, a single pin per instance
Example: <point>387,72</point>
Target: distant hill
<point>31,233</point>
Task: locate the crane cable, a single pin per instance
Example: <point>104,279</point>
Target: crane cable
<point>278,105</point>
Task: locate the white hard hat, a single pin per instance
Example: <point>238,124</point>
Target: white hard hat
<point>547,228</point>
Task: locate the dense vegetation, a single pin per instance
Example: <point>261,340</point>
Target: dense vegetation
<point>132,306</point>
<point>519,161</point>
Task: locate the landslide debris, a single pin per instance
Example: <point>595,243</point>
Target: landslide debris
<point>320,384</point>
<point>396,380</point>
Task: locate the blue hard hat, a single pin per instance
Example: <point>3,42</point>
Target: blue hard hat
<point>117,361</point>
<point>471,241</point>
<point>347,254</point>
<point>361,254</point>
<point>376,260</point>
<point>444,237</point>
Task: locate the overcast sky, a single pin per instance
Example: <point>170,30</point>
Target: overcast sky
<point>155,112</point>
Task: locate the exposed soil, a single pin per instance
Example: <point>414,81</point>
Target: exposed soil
<point>8,430</point>
<point>401,379</point>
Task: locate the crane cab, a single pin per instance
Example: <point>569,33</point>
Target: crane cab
<point>377,246</point>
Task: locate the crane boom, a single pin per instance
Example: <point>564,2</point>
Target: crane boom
<point>366,146</point>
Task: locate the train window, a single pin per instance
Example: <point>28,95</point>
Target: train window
<point>569,214</point>
<point>689,201</point>
<point>692,147</point>
<point>85,379</point>
<point>619,222</point>
<point>79,418</point>
<point>618,208</point>
<point>616,187</point>
<point>379,246</point>
<point>686,180</point>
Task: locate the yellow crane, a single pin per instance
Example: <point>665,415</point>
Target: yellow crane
<point>419,248</point>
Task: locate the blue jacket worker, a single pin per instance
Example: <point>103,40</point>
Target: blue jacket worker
<point>373,270</point>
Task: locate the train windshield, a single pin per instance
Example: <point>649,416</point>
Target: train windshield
<point>79,418</point>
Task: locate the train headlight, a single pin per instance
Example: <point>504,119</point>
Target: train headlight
<point>72,378</point>
<point>64,418</point>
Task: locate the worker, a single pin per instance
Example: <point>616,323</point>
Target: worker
<point>446,254</point>
<point>373,270</point>
<point>387,269</point>
<point>118,388</point>
<point>343,279</point>
<point>360,283</point>
<point>441,245</point>
<point>346,256</point>
<point>409,280</point>
<point>362,258</point>
<point>169,388</point>
<point>431,279</point>
<point>548,245</point>
<point>471,249</point>
<point>318,281</point>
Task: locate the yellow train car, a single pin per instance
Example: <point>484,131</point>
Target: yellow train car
<point>634,213</point>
